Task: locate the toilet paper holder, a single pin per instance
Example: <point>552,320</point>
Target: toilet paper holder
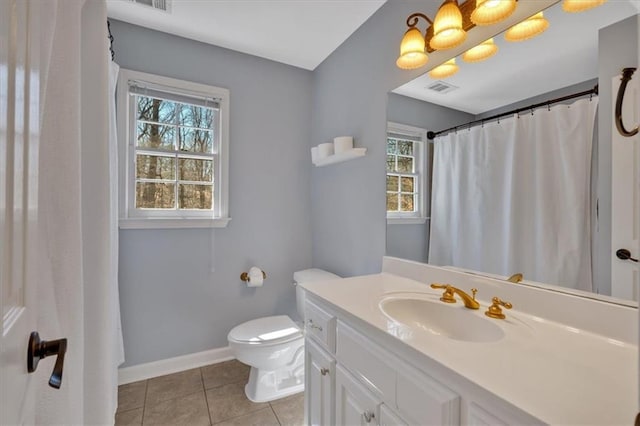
<point>245,276</point>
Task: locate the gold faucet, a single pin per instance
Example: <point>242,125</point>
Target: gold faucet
<point>515,278</point>
<point>449,290</point>
<point>495,311</point>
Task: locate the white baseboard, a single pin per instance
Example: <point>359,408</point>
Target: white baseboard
<point>173,365</point>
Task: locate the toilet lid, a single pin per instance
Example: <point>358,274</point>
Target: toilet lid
<point>276,329</point>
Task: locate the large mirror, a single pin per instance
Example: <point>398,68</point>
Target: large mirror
<point>488,200</point>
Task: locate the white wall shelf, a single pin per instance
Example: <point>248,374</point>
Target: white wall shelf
<point>343,156</point>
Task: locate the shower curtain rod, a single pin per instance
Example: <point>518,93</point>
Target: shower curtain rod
<point>594,91</point>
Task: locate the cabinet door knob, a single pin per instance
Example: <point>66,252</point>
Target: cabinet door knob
<point>368,416</point>
<point>324,371</point>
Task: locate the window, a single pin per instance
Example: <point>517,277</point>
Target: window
<point>406,174</point>
<point>174,147</point>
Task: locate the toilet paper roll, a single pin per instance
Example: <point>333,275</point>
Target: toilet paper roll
<point>342,144</point>
<point>314,154</point>
<point>325,150</point>
<point>256,279</point>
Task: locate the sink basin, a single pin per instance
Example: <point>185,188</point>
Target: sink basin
<point>433,316</point>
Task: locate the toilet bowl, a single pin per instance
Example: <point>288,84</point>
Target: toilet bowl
<point>274,348</point>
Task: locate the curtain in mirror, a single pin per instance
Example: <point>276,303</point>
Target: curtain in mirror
<point>514,196</point>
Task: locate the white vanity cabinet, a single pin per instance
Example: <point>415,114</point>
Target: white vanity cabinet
<point>351,379</point>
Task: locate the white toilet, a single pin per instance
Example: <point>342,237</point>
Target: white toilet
<point>274,348</point>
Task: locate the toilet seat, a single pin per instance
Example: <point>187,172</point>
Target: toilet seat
<point>266,331</point>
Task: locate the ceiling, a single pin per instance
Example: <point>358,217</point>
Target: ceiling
<point>565,54</point>
<point>302,33</point>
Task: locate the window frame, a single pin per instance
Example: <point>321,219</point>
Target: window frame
<point>421,169</point>
<point>134,218</point>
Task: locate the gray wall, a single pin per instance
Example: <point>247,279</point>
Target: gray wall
<point>617,49</point>
<point>412,241</point>
<point>171,303</point>
<point>349,98</point>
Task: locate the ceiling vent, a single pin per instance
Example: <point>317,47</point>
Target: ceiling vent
<point>163,5</point>
<point>441,87</point>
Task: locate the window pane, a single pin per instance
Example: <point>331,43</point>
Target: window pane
<point>392,183</point>
<point>196,170</point>
<point>407,184</point>
<point>405,147</point>
<point>156,110</point>
<point>391,163</point>
<point>406,204</point>
<point>196,197</point>
<point>150,195</point>
<point>154,167</point>
<point>155,136</point>
<point>391,146</point>
<point>392,202</point>
<point>195,116</point>
<point>193,140</point>
<point>405,164</point>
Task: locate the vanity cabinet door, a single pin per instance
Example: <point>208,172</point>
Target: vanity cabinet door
<point>389,418</point>
<point>423,400</point>
<point>355,405</point>
<point>320,376</point>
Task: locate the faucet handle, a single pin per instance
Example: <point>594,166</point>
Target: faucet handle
<point>495,311</point>
<point>447,296</point>
<point>436,285</point>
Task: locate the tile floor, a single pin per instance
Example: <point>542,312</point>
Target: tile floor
<point>211,395</point>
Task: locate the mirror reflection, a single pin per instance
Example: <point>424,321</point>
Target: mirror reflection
<point>537,192</point>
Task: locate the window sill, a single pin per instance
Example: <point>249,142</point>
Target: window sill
<point>407,220</point>
<point>164,223</point>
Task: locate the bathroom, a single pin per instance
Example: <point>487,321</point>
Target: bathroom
<point>180,289</point>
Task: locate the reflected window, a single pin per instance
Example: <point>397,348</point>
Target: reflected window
<point>405,182</point>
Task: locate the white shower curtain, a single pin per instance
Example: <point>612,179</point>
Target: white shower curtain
<point>78,292</point>
<point>514,196</point>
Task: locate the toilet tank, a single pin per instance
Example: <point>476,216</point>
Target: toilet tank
<point>305,276</point>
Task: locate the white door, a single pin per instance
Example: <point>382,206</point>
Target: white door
<point>19,127</point>
<point>625,196</point>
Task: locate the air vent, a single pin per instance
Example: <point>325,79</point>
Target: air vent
<point>441,87</point>
<point>164,5</point>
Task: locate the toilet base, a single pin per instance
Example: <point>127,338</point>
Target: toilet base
<point>264,386</point>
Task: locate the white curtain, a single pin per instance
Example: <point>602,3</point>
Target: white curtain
<point>514,196</point>
<point>78,293</point>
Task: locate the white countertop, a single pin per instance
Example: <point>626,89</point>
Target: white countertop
<point>559,374</point>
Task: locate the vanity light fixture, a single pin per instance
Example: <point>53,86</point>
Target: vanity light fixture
<point>447,27</point>
<point>412,54</point>
<point>452,22</point>
<point>529,28</point>
<point>445,70</point>
<point>573,6</point>
<point>489,12</point>
<point>449,30</point>
<point>483,51</point>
